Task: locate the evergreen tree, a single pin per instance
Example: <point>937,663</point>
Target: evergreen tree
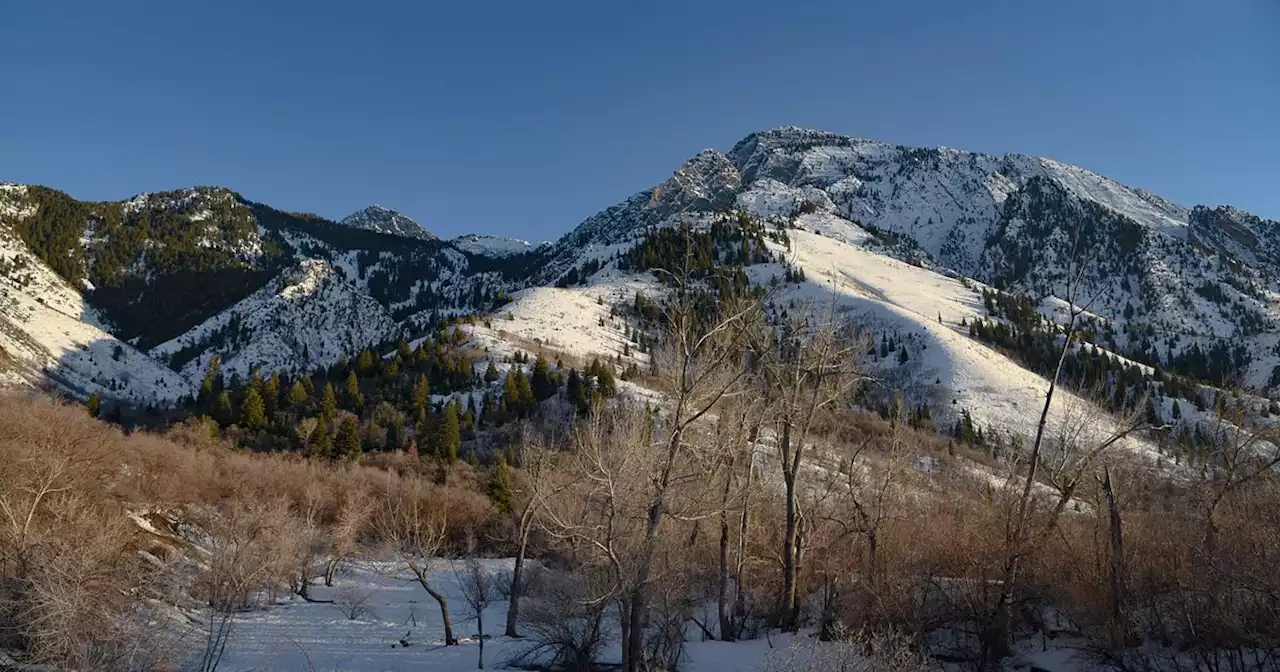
<point>499,486</point>
<point>222,410</point>
<point>328,402</point>
<point>576,391</point>
<point>450,434</point>
<point>347,444</point>
<point>355,400</point>
<point>604,380</point>
<point>309,386</point>
<point>297,394</point>
<point>543,386</point>
<point>95,404</point>
<point>421,391</point>
<point>1176,411</point>
<point>212,382</point>
<point>365,363</point>
<point>490,373</point>
<point>395,436</point>
<point>271,394</point>
<point>512,397</point>
<point>252,413</point>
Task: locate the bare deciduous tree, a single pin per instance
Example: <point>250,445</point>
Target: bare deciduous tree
<point>802,368</point>
<point>416,533</point>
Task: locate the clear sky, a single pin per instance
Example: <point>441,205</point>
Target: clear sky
<point>523,118</point>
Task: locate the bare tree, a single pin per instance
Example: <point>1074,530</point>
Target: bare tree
<point>802,368</point>
<point>244,558</point>
<point>855,504</point>
<point>344,535</point>
<point>532,490</point>
<point>1076,457</point>
<point>416,532</point>
<point>627,466</point>
<point>478,592</point>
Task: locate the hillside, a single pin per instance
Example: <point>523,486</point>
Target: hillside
<point>195,273</point>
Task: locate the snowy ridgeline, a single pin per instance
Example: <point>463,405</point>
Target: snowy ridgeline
<point>854,209</point>
<point>378,608</point>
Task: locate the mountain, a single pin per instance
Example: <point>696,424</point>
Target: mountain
<point>165,281</point>
<point>1171,282</point>
<point>497,247</point>
<point>384,220</point>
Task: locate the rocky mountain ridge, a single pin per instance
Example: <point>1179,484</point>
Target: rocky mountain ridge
<point>189,274</point>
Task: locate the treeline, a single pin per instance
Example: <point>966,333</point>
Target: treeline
<point>1016,327</point>
<point>433,400</point>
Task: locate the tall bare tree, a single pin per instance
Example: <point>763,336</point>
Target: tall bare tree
<point>802,368</point>
<point>416,532</point>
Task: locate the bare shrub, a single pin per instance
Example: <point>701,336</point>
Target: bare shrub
<point>862,651</point>
<point>354,603</point>
<point>564,619</point>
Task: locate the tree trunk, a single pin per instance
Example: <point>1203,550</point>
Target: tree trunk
<point>624,619</point>
<point>330,568</point>
<point>480,636</point>
<point>1119,630</point>
<point>724,609</point>
<point>739,597</point>
<point>789,560</point>
<point>517,575</point>
<point>420,572</point>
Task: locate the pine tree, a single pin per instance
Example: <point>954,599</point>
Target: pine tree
<point>347,444</point>
<point>222,410</point>
<point>355,400</point>
<point>527,400</point>
<point>490,373</point>
<point>271,394</point>
<point>328,402</point>
<point>252,414</point>
<point>364,364</point>
<point>542,385</point>
<point>421,391</point>
<point>450,434</point>
<point>605,382</point>
<point>255,382</point>
<point>499,487</point>
<point>511,391</point>
<point>297,394</point>
<point>212,382</point>
<point>94,405</point>
<point>576,391</point>
<point>395,436</point>
<point>1176,411</point>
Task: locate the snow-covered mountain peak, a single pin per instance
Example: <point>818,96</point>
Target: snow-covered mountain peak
<point>497,247</point>
<point>385,220</point>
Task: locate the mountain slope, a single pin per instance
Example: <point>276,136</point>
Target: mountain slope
<point>307,317</point>
<point>49,337</point>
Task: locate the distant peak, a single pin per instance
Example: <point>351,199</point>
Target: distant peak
<point>382,219</point>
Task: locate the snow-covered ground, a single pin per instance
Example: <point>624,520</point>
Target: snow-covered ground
<point>296,635</point>
<point>568,320</point>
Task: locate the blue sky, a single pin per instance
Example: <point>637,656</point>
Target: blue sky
<point>523,118</point>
